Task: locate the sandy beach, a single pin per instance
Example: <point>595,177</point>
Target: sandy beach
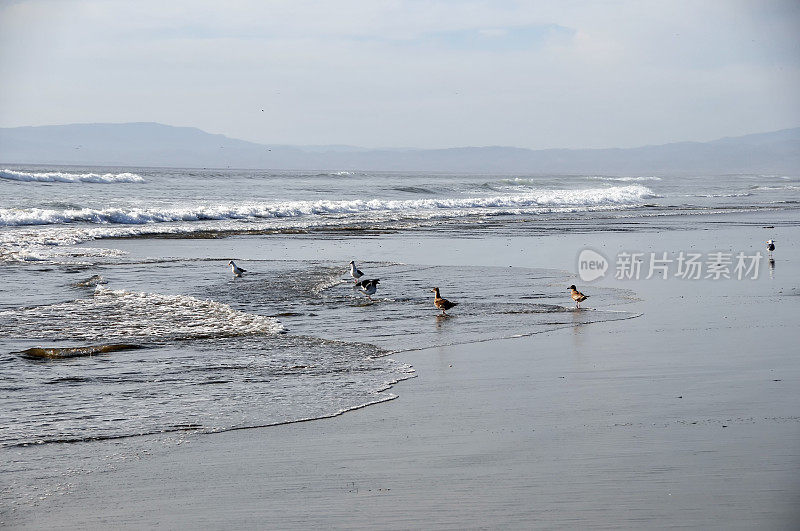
<point>686,416</point>
<point>399,265</point>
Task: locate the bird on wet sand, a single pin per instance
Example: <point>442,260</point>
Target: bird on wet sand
<point>440,303</point>
<point>770,246</point>
<point>354,272</point>
<point>369,286</point>
<point>577,296</point>
<point>237,271</point>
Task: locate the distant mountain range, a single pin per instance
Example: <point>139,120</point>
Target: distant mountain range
<point>153,144</point>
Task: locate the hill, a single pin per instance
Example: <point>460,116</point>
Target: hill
<point>153,144</point>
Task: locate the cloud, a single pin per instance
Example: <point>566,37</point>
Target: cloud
<point>408,73</point>
<point>493,39</point>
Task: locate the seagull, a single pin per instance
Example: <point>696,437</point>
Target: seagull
<point>577,296</point>
<point>440,303</point>
<point>237,271</point>
<point>354,272</point>
<point>770,246</point>
<point>369,287</point>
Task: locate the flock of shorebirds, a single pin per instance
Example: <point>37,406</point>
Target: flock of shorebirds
<point>369,286</point>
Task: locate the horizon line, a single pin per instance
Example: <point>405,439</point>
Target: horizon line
<point>387,148</point>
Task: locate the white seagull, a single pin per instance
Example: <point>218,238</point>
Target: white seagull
<point>770,246</point>
<point>354,272</point>
<point>237,271</point>
<point>369,287</point>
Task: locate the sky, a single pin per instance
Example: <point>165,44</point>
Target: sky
<point>407,73</point>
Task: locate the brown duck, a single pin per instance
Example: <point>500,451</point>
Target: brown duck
<point>577,296</point>
<point>440,303</point>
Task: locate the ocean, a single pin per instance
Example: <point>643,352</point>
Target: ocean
<point>120,318</point>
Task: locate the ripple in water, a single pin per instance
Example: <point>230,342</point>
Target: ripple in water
<point>206,385</point>
<point>212,357</point>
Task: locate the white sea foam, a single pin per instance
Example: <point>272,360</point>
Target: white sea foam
<point>531,200</point>
<point>734,194</point>
<point>119,314</point>
<point>51,235</point>
<point>62,177</point>
<point>792,187</point>
<point>626,179</point>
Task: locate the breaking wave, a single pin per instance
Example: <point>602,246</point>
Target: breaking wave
<point>772,188</point>
<point>126,315</point>
<point>733,194</point>
<point>62,177</point>
<point>626,179</point>
<point>627,196</point>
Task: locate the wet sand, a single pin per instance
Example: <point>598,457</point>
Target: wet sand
<point>688,416</point>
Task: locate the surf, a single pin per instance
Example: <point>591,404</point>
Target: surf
<point>64,177</point>
<point>630,195</point>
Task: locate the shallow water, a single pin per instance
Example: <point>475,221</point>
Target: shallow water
<point>287,341</point>
<point>291,339</point>
<point>57,292</point>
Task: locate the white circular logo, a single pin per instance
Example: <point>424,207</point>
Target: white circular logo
<point>591,265</point>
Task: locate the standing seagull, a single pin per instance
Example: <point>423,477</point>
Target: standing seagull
<point>369,287</point>
<point>354,272</point>
<point>770,246</point>
<point>440,303</point>
<point>577,296</point>
<point>237,271</point>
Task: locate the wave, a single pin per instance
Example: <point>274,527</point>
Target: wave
<point>732,194</point>
<point>776,188</point>
<point>91,282</point>
<point>631,195</point>
<point>61,177</point>
<point>533,183</point>
<point>124,315</point>
<point>626,179</point>
<point>414,190</point>
<point>335,174</point>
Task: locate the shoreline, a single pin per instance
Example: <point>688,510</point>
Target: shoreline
<point>669,419</point>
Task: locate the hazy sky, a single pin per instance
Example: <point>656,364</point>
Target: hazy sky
<point>397,73</point>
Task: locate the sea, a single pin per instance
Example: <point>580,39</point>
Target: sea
<point>99,344</point>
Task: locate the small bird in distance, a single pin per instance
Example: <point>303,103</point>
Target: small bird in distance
<point>577,296</point>
<point>355,272</point>
<point>369,287</point>
<point>237,271</point>
<point>440,303</point>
